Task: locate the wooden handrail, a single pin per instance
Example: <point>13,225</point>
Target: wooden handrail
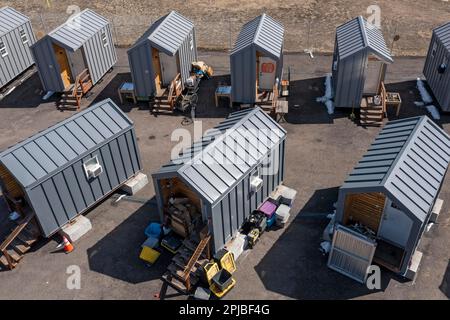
<point>197,253</point>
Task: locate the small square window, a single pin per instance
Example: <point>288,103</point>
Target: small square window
<point>23,36</point>
<point>3,51</point>
<point>104,39</point>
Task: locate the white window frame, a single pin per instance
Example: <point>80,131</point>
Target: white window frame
<point>94,159</point>
<point>23,36</point>
<point>104,38</point>
<point>3,49</point>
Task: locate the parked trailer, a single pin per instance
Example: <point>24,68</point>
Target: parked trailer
<point>218,180</point>
<point>16,37</point>
<point>437,68</point>
<point>359,62</point>
<point>165,50</point>
<point>256,60</point>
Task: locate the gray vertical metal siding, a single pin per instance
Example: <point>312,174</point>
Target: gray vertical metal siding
<point>19,57</point>
<point>47,66</point>
<point>83,32</point>
<point>49,166</point>
<point>439,83</point>
<point>100,59</point>
<point>349,81</point>
<point>262,34</point>
<point>171,35</point>
<point>141,67</point>
<point>354,41</point>
<point>243,75</point>
<point>229,214</point>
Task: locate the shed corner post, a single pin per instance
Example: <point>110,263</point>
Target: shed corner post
<point>340,206</point>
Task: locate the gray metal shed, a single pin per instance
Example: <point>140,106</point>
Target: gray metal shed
<point>394,187</point>
<point>217,171</point>
<point>359,62</point>
<point>437,65</point>
<point>258,51</point>
<point>56,171</point>
<point>84,42</point>
<point>167,48</point>
<point>16,37</point>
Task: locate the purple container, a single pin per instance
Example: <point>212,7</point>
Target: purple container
<point>268,208</point>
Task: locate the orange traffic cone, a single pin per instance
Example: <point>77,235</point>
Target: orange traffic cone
<point>68,247</point>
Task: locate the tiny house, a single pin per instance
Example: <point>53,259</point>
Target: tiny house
<point>80,50</point>
<point>68,168</point>
<point>386,202</point>
<point>436,69</point>
<point>359,62</point>
<point>16,37</point>
<point>165,50</point>
<point>217,175</point>
<point>256,60</point>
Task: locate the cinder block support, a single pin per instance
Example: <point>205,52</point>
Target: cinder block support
<point>436,210</point>
<point>413,269</point>
<point>135,184</point>
<point>77,228</point>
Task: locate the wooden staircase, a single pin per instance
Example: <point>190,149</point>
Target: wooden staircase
<point>371,114</point>
<point>166,100</point>
<point>72,99</point>
<point>18,242</point>
<point>185,269</point>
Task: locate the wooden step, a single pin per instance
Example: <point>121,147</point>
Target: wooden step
<point>14,255</point>
<point>371,118</point>
<point>174,282</point>
<point>20,247</point>
<point>26,238</point>
<point>4,262</point>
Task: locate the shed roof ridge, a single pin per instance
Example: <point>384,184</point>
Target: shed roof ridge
<point>258,29</point>
<point>406,145</point>
<point>362,25</point>
<point>226,133</point>
<point>164,18</point>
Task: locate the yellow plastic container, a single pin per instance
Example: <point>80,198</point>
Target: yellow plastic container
<point>149,255</point>
<point>211,269</point>
<point>218,293</point>
<point>227,262</point>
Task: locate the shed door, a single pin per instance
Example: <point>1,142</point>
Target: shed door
<point>266,72</point>
<point>61,58</point>
<point>351,253</point>
<point>395,225</point>
<point>374,71</point>
<point>77,62</point>
<point>169,68</point>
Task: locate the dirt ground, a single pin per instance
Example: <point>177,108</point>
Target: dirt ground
<point>309,24</point>
<point>286,263</point>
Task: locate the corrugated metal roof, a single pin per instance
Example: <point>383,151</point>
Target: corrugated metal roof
<point>357,35</point>
<point>168,33</point>
<point>39,156</point>
<point>443,33</point>
<point>10,19</point>
<point>264,32</point>
<point>74,33</point>
<point>226,153</point>
<point>408,159</point>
